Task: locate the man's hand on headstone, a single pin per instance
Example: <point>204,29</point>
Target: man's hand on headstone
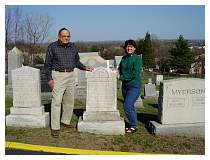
<point>89,68</point>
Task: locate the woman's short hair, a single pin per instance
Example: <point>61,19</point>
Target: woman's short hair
<point>130,42</point>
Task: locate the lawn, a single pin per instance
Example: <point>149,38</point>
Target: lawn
<point>141,141</point>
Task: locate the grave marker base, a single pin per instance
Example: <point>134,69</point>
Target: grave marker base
<point>192,130</point>
<point>28,120</point>
<point>102,127</point>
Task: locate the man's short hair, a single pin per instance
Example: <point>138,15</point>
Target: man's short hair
<point>62,29</point>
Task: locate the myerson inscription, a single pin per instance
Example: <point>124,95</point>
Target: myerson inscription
<point>188,91</point>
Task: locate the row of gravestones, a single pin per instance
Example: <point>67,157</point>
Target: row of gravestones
<point>150,88</point>
<point>101,114</point>
<point>181,104</point>
<point>15,60</point>
<point>155,127</point>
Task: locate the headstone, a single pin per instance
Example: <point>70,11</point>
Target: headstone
<point>117,60</point>
<point>110,63</point>
<point>159,78</point>
<point>150,69</point>
<point>80,85</point>
<point>101,115</point>
<point>90,59</point>
<point>15,60</point>
<point>43,78</point>
<point>181,107</point>
<point>27,110</point>
<point>46,93</point>
<point>139,103</point>
<point>150,91</point>
<point>149,80</point>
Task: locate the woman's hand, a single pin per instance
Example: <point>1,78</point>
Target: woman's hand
<point>116,72</point>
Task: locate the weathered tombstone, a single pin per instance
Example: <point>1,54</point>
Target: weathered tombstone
<point>91,59</point>
<point>149,80</point>
<point>159,78</point>
<point>27,110</point>
<point>150,91</point>
<point>80,85</point>
<point>15,60</point>
<point>110,63</point>
<point>181,107</point>
<point>139,103</point>
<point>43,78</point>
<point>46,93</point>
<point>101,115</point>
<point>150,69</point>
<point>117,60</point>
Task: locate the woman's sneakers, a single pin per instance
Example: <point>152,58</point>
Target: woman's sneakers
<point>131,130</point>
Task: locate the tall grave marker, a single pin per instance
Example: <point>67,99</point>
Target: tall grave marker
<point>27,110</point>
<point>101,115</point>
<point>15,60</point>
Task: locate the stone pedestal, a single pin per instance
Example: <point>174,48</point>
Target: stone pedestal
<point>102,127</point>
<point>27,110</point>
<point>101,116</point>
<point>23,120</point>
<point>187,129</point>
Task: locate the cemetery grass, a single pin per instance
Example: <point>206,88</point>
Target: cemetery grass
<point>141,141</point>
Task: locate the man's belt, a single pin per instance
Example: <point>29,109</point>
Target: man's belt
<point>64,70</point>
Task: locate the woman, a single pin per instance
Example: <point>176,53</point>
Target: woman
<point>129,70</point>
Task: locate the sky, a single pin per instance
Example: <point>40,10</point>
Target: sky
<point>115,22</point>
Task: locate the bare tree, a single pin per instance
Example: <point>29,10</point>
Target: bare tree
<point>13,25</point>
<point>17,24</point>
<point>37,28</point>
<point>8,25</point>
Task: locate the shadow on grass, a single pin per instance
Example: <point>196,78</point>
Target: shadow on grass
<point>79,112</point>
<point>145,118</point>
<point>120,99</point>
<point>47,107</point>
<point>153,105</point>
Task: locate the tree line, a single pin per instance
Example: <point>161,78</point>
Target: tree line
<point>28,32</point>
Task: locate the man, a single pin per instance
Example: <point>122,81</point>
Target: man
<point>61,59</point>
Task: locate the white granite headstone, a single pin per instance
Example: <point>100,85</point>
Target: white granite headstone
<point>149,80</point>
<point>90,59</point>
<point>181,104</point>
<point>182,101</point>
<point>15,60</point>
<point>27,110</point>
<point>101,115</point>
<point>117,60</point>
<point>159,78</point>
<point>139,103</point>
<point>150,91</point>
